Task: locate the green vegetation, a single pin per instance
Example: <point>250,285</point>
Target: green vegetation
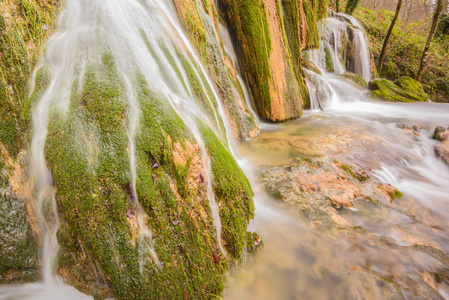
<point>351,5</point>
<point>395,193</point>
<point>354,78</point>
<point>405,89</point>
<point>87,152</point>
<point>24,27</point>
<point>229,184</point>
<point>250,24</point>
<point>404,52</point>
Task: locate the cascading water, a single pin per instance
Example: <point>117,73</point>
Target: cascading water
<point>142,37</point>
<point>393,143</point>
<point>343,48</point>
<point>298,261</point>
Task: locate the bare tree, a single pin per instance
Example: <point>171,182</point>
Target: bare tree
<point>384,48</point>
<point>438,10</point>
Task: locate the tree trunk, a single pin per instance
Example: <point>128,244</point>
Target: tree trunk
<point>337,6</point>
<point>351,5</point>
<point>384,48</point>
<point>436,17</point>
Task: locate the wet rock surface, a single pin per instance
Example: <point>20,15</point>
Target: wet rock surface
<point>18,247</point>
<point>367,234</point>
<point>441,134</point>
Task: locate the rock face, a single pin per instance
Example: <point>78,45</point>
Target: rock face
<point>200,18</point>
<point>405,89</point>
<point>270,36</point>
<point>441,134</point>
<point>23,30</point>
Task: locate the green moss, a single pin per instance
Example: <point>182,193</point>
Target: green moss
<point>373,201</point>
<point>329,62</point>
<point>21,38</point>
<point>86,150</point>
<point>191,19</point>
<point>250,24</point>
<point>404,89</point>
<point>354,78</point>
<point>204,96</point>
<point>348,170</point>
<point>41,82</point>
<point>395,194</point>
<point>232,191</point>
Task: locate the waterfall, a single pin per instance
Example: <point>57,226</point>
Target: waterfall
<point>343,48</point>
<point>140,37</point>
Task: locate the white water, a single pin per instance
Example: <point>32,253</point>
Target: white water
<point>337,34</point>
<point>289,265</point>
<point>86,30</point>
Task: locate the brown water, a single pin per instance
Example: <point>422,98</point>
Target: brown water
<point>391,251</point>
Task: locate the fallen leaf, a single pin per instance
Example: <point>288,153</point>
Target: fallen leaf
<point>354,268</point>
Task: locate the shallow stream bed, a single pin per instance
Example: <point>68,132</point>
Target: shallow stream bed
<point>376,246</point>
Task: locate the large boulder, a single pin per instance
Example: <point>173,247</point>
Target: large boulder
<point>405,89</point>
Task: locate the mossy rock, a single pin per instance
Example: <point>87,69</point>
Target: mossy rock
<point>441,133</point>
<point>308,64</point>
<point>355,79</point>
<point>405,89</point>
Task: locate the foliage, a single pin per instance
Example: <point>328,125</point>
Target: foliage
<point>443,26</point>
<point>351,5</point>
<point>404,53</point>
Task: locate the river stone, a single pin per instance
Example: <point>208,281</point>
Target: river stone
<point>405,89</point>
<point>441,133</point>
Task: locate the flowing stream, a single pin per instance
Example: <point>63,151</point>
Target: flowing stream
<point>379,259</point>
<point>385,251</point>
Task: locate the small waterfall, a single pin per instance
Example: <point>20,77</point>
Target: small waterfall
<point>343,48</point>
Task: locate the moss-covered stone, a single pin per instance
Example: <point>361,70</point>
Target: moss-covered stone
<point>24,26</point>
<point>405,89</point>
<point>441,133</point>
<point>86,150</point>
<point>355,79</point>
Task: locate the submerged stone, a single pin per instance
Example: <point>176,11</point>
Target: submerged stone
<point>405,89</point>
<point>441,133</point>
